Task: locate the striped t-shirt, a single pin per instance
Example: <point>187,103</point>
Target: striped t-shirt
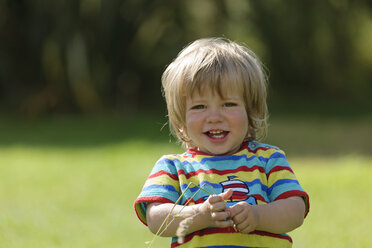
<point>257,173</point>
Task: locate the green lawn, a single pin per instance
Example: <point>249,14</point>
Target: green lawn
<point>76,188</point>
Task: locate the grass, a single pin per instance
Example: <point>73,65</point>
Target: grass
<point>72,198</point>
<point>72,182</point>
<point>340,214</point>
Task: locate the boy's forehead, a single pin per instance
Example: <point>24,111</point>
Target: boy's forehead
<point>224,91</point>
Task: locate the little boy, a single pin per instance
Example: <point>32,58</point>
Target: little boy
<point>216,98</point>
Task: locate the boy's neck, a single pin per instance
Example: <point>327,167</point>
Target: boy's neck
<point>196,151</point>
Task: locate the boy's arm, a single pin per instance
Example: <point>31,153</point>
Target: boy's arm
<point>279,217</point>
<point>156,213</point>
<point>210,213</point>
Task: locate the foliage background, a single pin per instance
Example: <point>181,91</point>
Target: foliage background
<point>93,56</point>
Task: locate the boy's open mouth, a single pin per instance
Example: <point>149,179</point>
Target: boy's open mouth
<point>216,134</point>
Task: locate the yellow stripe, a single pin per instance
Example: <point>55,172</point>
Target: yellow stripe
<point>259,202</point>
<point>162,180</point>
<point>267,153</point>
<point>198,158</point>
<point>214,178</point>
<point>237,239</point>
<point>283,174</point>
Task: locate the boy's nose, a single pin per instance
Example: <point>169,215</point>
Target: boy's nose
<point>214,115</point>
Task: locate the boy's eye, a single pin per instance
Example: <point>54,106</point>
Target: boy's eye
<point>200,106</point>
<point>229,104</point>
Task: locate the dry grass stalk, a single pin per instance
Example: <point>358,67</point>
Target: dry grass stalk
<point>166,223</point>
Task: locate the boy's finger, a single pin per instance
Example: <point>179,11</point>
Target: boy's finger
<point>215,198</point>
<point>223,215</point>
<point>224,223</point>
<point>221,197</point>
<point>218,206</point>
<point>227,195</point>
<point>236,209</point>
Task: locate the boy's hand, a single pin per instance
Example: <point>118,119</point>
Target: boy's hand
<point>215,212</point>
<point>245,217</point>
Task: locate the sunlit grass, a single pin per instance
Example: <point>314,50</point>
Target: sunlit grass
<point>82,195</point>
<point>340,214</point>
<point>83,198</point>
<point>72,198</point>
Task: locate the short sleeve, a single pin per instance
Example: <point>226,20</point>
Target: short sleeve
<point>281,180</point>
<point>161,186</point>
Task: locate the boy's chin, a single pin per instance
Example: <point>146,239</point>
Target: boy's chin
<point>220,152</point>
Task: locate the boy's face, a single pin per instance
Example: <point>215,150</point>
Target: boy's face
<point>216,125</point>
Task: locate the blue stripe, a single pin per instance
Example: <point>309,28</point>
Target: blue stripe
<point>281,182</point>
<point>231,158</point>
<point>162,187</point>
<point>243,156</point>
<point>275,155</point>
<point>220,163</point>
<point>219,187</point>
<point>256,182</point>
<point>164,161</point>
<point>206,187</point>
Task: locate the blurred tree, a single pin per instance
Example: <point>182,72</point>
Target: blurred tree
<point>311,49</point>
<point>93,55</point>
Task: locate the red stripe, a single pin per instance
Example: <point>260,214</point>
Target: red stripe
<point>192,201</point>
<point>160,173</point>
<point>149,199</point>
<point>228,230</point>
<point>204,232</point>
<point>279,168</point>
<point>235,186</point>
<point>239,193</point>
<point>272,235</point>
<point>221,172</point>
<point>239,198</point>
<point>259,197</point>
<point>200,200</point>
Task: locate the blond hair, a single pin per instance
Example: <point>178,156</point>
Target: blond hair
<point>215,64</point>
